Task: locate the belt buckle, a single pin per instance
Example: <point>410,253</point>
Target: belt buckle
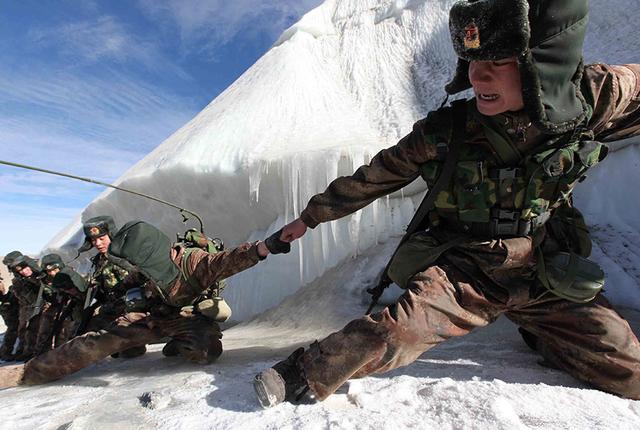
<point>504,228</point>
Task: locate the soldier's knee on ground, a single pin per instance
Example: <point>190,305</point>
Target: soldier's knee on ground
<point>202,353</point>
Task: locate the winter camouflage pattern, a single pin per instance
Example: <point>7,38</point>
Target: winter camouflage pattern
<point>194,337</point>
<point>197,335</point>
<point>474,282</point>
<point>612,91</point>
<point>443,302</point>
<point>207,269</point>
<point>106,274</point>
<point>108,278</point>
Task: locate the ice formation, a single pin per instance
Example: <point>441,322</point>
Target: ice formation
<point>350,78</point>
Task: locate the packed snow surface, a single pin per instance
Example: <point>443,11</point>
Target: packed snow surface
<point>347,80</point>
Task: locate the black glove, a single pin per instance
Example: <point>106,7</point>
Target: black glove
<point>277,246</point>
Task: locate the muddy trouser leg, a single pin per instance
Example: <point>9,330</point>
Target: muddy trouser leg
<point>23,318</point>
<point>31,335</point>
<point>102,320</point>
<point>195,337</point>
<point>11,334</point>
<point>47,319</point>
<point>590,341</point>
<point>67,331</point>
<point>437,305</point>
<point>127,332</point>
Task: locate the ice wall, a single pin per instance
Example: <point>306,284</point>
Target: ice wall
<point>347,80</point>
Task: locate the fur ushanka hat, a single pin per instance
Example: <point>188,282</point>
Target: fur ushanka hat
<point>546,37</point>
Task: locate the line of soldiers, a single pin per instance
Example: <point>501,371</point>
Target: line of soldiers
<point>38,312</point>
<point>48,302</point>
<point>143,289</point>
<point>501,236</point>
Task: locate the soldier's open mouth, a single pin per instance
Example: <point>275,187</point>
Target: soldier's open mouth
<point>488,97</point>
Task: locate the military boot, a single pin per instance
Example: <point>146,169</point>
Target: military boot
<point>171,349</point>
<point>284,381</point>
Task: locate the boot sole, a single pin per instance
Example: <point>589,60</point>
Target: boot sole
<point>266,397</point>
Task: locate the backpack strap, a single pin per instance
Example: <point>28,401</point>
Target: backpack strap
<point>504,149</point>
<point>458,134</point>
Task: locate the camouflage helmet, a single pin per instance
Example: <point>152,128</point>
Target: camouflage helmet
<point>51,261</point>
<point>96,227</point>
<point>23,261</point>
<point>10,257</point>
<point>545,36</point>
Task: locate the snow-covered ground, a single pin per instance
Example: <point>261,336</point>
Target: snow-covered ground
<point>486,380</point>
<point>350,78</point>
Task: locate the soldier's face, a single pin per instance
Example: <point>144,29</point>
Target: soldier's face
<point>25,271</point>
<point>53,272</point>
<point>101,243</point>
<point>496,85</point>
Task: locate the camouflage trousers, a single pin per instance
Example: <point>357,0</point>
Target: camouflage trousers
<point>9,314</point>
<point>591,341</point>
<point>198,341</point>
<point>29,340</point>
<point>43,329</point>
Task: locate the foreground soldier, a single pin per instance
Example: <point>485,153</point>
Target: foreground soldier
<point>503,237</point>
<point>106,283</point>
<point>9,311</point>
<point>169,305</point>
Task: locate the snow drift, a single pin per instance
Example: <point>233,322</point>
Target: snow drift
<point>347,80</point>
<point>350,78</point>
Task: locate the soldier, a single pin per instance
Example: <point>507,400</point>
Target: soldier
<point>13,330</point>
<point>172,303</point>
<point>65,310</point>
<point>31,296</point>
<point>105,282</point>
<point>501,236</point>
<point>9,311</point>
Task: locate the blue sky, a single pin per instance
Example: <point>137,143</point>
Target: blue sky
<point>90,87</point>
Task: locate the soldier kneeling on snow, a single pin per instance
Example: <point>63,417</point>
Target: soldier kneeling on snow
<point>170,304</point>
<point>501,236</point>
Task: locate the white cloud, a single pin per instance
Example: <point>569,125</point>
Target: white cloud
<point>215,22</point>
<point>104,38</point>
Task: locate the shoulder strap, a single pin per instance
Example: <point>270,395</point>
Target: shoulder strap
<point>458,134</point>
<point>502,146</point>
<point>457,138</point>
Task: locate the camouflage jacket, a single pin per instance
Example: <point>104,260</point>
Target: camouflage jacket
<point>25,290</point>
<point>613,92</point>
<point>108,278</point>
<point>7,299</point>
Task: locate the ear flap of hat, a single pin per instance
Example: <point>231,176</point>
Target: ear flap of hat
<point>460,81</point>
<point>85,246</point>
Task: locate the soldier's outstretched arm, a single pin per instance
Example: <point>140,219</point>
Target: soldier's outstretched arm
<point>614,94</point>
<point>391,169</point>
<point>209,268</point>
